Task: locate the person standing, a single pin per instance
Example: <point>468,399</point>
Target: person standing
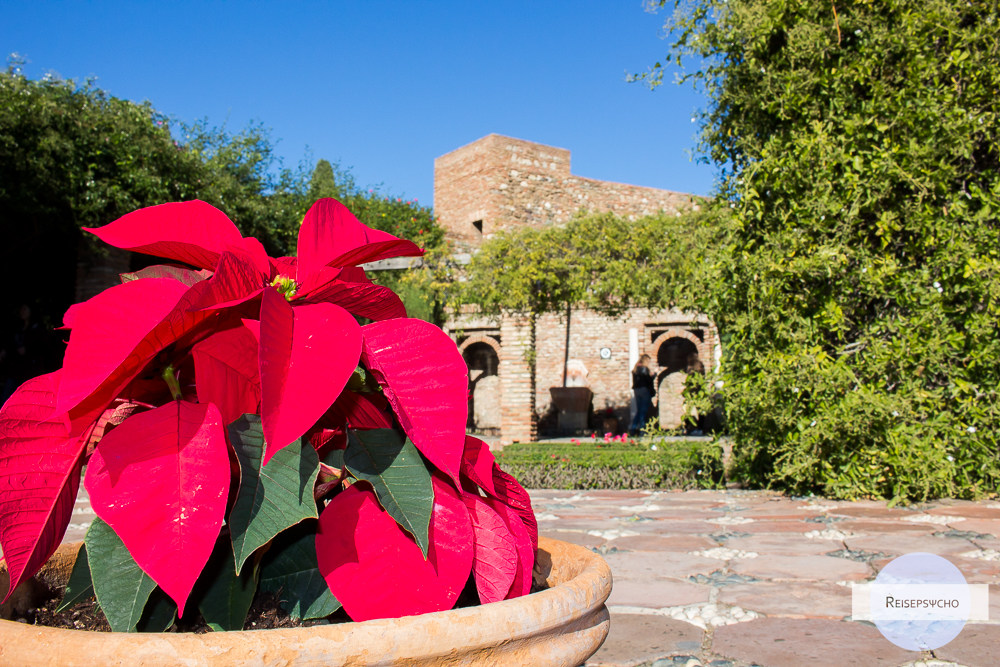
<point>642,387</point>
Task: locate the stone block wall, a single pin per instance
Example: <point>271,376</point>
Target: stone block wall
<point>499,182</point>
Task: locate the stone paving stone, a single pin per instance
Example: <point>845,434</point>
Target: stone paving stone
<point>969,510</point>
<point>573,536</point>
<point>790,600</point>
<point>802,568</point>
<point>580,516</point>
<point>656,593</point>
<point>986,526</point>
<point>904,543</point>
<point>977,646</point>
<point>977,570</point>
<point>80,520</point>
<point>759,526</point>
<point>778,514</point>
<point>619,496</point>
<point>974,570</point>
<point>545,522</point>
<point>784,545</point>
<point>994,611</point>
<point>863,527</point>
<point>642,565</point>
<point>781,642</point>
<point>668,527</point>
<point>700,497</point>
<point>660,543</point>
<point>872,511</point>
<point>680,513</point>
<point>637,639</point>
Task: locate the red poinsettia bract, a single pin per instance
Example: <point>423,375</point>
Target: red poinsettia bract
<point>233,399</point>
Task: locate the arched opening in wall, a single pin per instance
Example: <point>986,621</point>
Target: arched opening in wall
<point>484,388</point>
<point>676,357</point>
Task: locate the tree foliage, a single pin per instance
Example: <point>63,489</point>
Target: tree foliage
<point>73,156</point>
<point>598,261</point>
<point>859,290</point>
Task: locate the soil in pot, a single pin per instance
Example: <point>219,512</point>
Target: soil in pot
<point>265,613</point>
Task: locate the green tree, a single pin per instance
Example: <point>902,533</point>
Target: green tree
<point>597,261</point>
<point>73,156</point>
<point>600,261</point>
<point>241,175</point>
<point>859,288</point>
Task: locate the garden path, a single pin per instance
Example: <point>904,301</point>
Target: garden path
<point>740,578</point>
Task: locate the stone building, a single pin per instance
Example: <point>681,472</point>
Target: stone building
<point>499,183</point>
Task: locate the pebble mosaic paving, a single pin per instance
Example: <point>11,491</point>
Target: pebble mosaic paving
<point>756,579</point>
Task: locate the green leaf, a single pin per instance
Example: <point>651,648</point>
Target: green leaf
<point>122,588</point>
<point>224,596</point>
<point>334,458</point>
<point>160,613</point>
<point>393,466</point>
<point>79,587</point>
<point>271,500</point>
<point>289,570</point>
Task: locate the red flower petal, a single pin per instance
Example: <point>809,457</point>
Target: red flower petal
<point>254,250</point>
<point>226,372</point>
<point>331,236</point>
<point>40,462</point>
<point>238,279</point>
<point>187,276</point>
<point>513,495</point>
<point>496,561</point>
<point>192,232</point>
<point>362,411</point>
<point>426,381</point>
<point>376,570</point>
<point>352,291</point>
<point>161,480</point>
<point>307,354</point>
<point>479,466</point>
<point>522,541</point>
<point>285,266</point>
<point>115,334</point>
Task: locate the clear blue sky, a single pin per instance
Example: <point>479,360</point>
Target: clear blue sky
<point>384,87</point>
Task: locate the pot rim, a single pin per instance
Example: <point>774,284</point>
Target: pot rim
<point>579,579</point>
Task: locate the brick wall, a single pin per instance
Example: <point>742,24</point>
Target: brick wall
<point>499,182</point>
<point>611,379</point>
<point>517,383</point>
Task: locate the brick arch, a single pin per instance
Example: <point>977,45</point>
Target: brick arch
<point>677,332</point>
<point>480,338</point>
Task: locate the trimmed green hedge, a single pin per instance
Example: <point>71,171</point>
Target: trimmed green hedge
<point>596,465</point>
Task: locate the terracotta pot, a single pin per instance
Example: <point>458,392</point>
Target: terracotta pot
<point>563,625</point>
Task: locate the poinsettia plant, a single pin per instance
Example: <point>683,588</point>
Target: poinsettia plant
<point>242,431</point>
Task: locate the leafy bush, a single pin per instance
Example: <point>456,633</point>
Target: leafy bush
<point>598,261</point>
<point>858,288</point>
<point>644,464</point>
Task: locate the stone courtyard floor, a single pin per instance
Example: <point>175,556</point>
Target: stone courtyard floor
<point>741,578</point>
